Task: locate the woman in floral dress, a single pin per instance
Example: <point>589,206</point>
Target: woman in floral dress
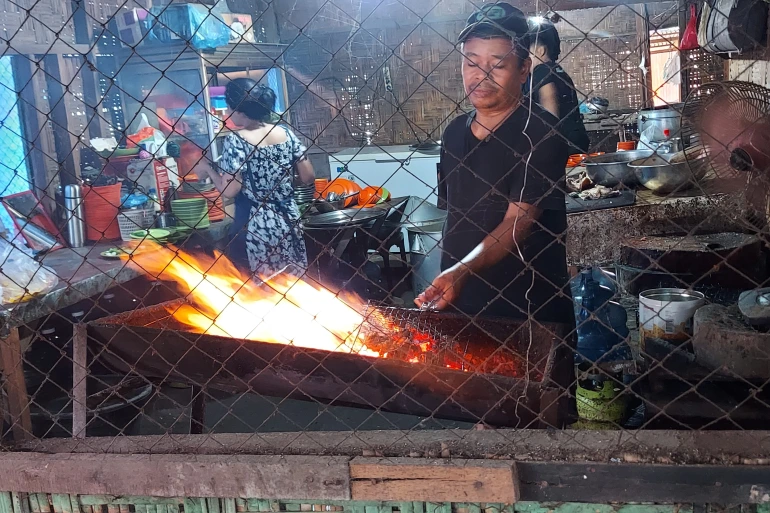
<point>258,164</point>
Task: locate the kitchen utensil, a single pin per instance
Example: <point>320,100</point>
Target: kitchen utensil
<point>165,220</point>
<point>345,217</point>
<point>626,146</point>
<point>73,203</point>
<point>344,188</point>
<point>324,206</point>
<point>663,118</point>
<point>656,173</point>
<point>612,169</point>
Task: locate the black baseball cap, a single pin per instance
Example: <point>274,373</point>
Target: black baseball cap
<point>500,19</point>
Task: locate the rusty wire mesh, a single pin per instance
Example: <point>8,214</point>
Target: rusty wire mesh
<point>376,76</point>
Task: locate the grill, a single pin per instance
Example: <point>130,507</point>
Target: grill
<point>497,371</point>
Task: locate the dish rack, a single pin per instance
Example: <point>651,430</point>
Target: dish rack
<point>132,220</point>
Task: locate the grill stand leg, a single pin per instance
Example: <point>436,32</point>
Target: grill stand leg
<point>79,373</point>
<point>198,413</point>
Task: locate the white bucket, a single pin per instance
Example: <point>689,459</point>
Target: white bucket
<point>668,313</point>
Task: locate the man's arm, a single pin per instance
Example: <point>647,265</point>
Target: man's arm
<point>518,221</point>
<point>549,99</point>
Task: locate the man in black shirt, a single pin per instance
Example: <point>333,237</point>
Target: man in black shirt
<point>503,169</point>
<point>552,88</point>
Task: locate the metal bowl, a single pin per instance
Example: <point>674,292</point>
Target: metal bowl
<point>612,169</point>
<point>659,175</point>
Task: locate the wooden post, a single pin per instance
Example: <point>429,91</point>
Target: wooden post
<point>15,387</point>
<point>197,411</point>
<point>643,44</point>
<point>79,374</point>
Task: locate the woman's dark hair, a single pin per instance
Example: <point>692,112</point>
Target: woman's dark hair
<point>547,37</point>
<point>255,101</point>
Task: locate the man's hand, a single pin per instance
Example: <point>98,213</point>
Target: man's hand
<point>445,289</point>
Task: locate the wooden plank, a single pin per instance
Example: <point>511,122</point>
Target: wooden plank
<point>20,502</point>
<point>13,372</point>
<point>597,483</point>
<point>34,504</point>
<point>688,447</point>
<point>401,479</point>
<point>6,504</point>
<point>79,374</point>
<point>280,477</point>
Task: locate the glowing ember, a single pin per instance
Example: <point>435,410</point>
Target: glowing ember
<point>284,309</point>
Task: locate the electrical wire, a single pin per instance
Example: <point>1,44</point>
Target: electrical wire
<point>516,242</point>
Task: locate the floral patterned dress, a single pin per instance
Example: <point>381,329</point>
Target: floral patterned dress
<point>273,234</point>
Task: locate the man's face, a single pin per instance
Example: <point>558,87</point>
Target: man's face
<point>492,73</point>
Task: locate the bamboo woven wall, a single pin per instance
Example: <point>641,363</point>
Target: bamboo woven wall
<point>45,20</point>
<point>335,70</point>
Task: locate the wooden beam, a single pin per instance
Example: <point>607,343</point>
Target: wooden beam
<point>432,480</point>
<point>321,478</point>
<point>64,141</point>
<point>276,477</point>
<point>668,484</point>
<point>58,47</point>
<point>687,447</point>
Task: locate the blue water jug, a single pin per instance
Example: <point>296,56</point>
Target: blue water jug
<point>601,324</point>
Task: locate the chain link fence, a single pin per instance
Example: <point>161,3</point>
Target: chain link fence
<point>177,264</point>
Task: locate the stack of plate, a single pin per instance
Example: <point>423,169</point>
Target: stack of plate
<point>215,204</point>
<point>158,235</point>
<point>191,213</point>
<point>195,187</point>
<point>304,193</point>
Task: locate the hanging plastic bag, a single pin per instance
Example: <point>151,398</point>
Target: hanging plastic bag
<point>649,136</point>
<point>149,138</point>
<point>690,37</point>
<point>200,25</point>
<point>21,276</point>
<point>671,70</point>
<point>144,131</point>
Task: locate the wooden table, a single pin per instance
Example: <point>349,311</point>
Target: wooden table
<point>82,273</point>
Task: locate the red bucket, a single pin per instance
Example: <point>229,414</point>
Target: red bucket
<point>101,205</point>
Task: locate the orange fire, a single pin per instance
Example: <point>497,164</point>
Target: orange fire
<point>283,309</point>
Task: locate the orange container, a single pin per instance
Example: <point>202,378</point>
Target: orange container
<point>626,145</point>
<point>101,205</point>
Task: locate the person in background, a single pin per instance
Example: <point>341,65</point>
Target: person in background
<point>551,87</point>
<point>503,167</point>
<point>258,163</point>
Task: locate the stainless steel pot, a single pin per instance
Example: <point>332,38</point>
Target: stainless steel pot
<point>612,169</point>
<point>667,118</point>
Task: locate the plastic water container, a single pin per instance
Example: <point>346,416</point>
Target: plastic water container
<point>601,325</point>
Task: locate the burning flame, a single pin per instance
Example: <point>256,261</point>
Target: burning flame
<point>283,309</point>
